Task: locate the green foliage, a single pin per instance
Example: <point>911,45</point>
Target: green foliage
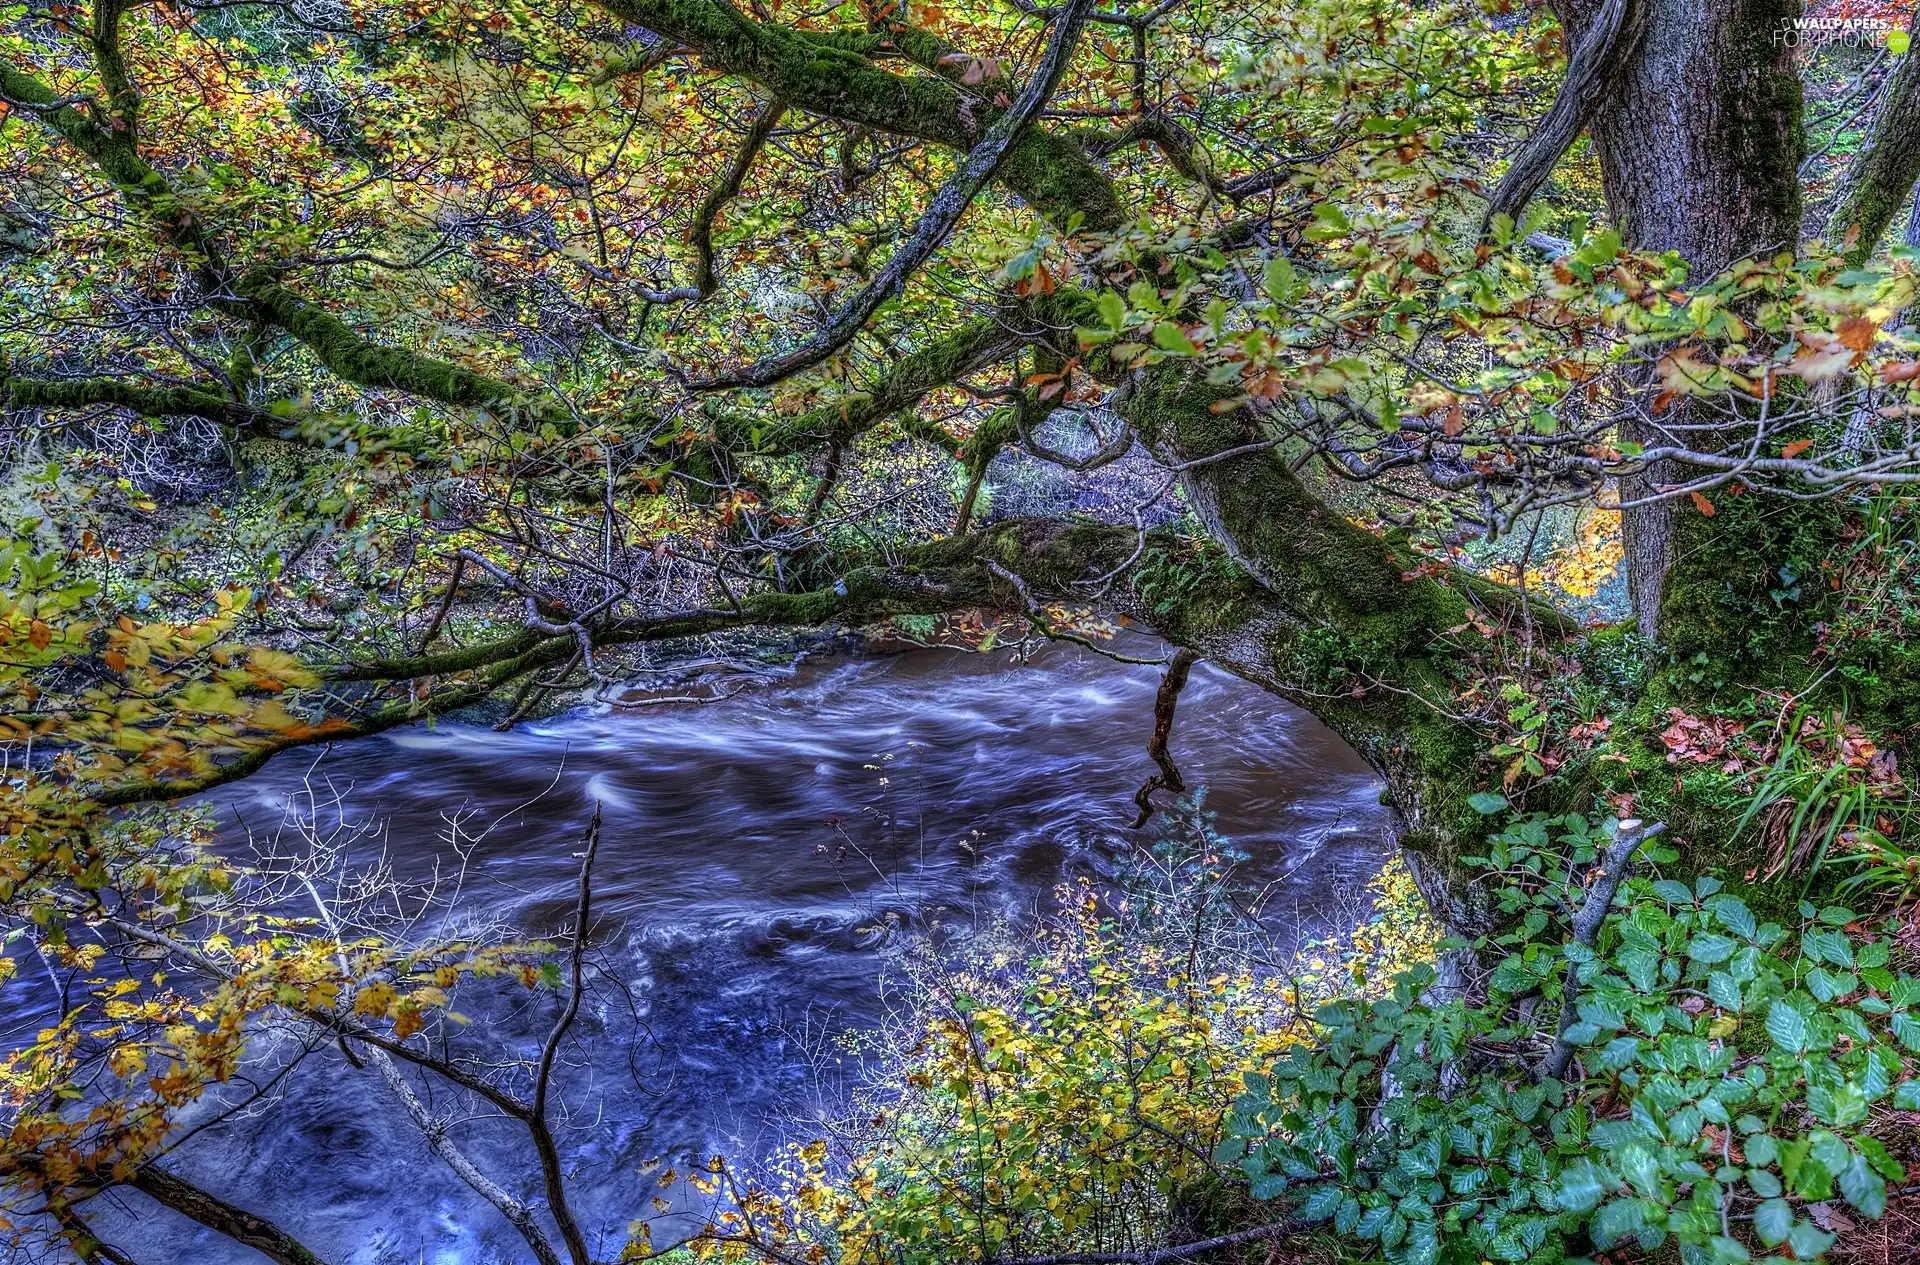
<point>1824,788</point>
<point>1419,1121</point>
<point>1169,576</point>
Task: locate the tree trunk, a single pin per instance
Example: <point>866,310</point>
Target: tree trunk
<point>1343,621</point>
<point>1699,141</point>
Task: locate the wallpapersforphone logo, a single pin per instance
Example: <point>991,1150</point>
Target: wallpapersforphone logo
<point>1859,32</point>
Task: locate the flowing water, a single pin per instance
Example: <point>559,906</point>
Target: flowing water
<point>752,853</point>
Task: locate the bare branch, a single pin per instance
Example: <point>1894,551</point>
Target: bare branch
<point>543,1075</point>
<point>1164,702</point>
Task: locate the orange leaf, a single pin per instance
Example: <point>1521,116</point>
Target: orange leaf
<point>1795,448</point>
<point>1702,504</point>
<point>1858,333</point>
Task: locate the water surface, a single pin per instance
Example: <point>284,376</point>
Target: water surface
<point>752,852</point>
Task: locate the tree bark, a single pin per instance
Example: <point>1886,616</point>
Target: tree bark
<point>243,1227</point>
<point>1344,622</point>
<point>1699,142</point>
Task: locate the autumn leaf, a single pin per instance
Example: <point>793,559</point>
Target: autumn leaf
<point>1702,504</point>
<point>373,999</point>
<point>1858,333</point>
<point>1818,360</point>
<point>1795,448</point>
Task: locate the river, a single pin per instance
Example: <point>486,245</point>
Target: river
<point>752,851</point>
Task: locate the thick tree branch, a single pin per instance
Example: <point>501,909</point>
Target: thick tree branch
<point>434,1130</point>
<point>829,76</point>
<point>147,401</point>
<point>256,1232</point>
<point>727,190</point>
<point>1610,38</point>
<point>1164,702</point>
<point>537,1125</point>
<point>1587,921</point>
<point>972,347</point>
<point>257,296</point>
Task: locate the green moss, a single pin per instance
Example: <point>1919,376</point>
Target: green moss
<point>1744,593</point>
<point>369,364</point>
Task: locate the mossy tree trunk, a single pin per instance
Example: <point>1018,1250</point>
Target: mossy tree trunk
<point>1699,138</point>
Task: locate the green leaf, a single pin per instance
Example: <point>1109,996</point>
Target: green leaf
<point>1710,949</point>
<point>1773,1221</point>
<point>1278,280</point>
<point>1271,1186</point>
<point>1787,1026</point>
<point>1673,893</point>
<point>1170,337</point>
<point>1321,1202</point>
<point>1734,915</point>
<point>1487,803</point>
<point>1832,946</point>
<point>1863,1188</point>
<point>1422,1159</point>
<point>1808,1240</point>
<point>1729,1251</point>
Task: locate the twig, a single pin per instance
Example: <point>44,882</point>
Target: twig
<point>446,604</point>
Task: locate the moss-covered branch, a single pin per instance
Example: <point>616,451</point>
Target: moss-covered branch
<point>831,79</point>
<point>726,191</point>
<point>974,346</point>
<point>936,222</point>
<point>369,364</point>
<point>862,596</point>
<point>147,401</point>
<point>259,296</point>
<point>1347,622</point>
